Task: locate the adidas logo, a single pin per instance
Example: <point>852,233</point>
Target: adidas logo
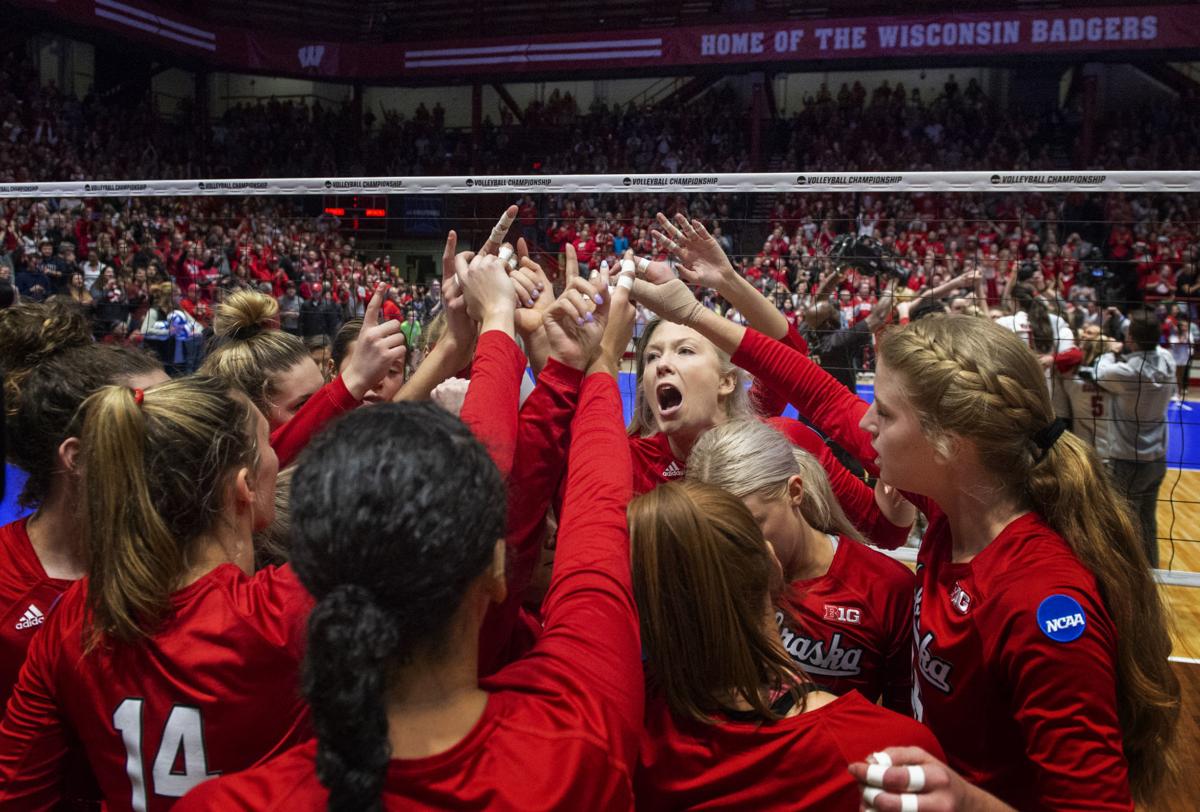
<point>672,470</point>
<point>32,617</point>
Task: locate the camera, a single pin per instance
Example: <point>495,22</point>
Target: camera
<point>867,255</point>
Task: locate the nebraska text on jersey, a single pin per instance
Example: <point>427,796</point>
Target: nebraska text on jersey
<point>820,656</point>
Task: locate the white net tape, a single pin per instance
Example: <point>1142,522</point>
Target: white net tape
<point>987,181</point>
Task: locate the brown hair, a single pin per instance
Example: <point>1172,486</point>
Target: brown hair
<point>154,477</point>
<point>974,379</point>
<point>346,335</point>
<point>51,366</point>
<point>706,583</point>
<point>249,349</point>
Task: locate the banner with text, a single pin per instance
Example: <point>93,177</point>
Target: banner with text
<point>982,34</point>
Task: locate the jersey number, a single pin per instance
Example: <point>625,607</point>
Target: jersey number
<point>1097,406</point>
<point>182,741</point>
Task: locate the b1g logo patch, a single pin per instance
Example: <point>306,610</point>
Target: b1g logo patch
<point>1061,618</point>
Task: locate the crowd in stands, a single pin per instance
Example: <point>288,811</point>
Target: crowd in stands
<point>117,257</point>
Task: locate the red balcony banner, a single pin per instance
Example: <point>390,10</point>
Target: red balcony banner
<point>984,34</point>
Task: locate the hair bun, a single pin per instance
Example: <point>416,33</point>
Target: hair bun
<point>245,314</point>
<point>31,333</point>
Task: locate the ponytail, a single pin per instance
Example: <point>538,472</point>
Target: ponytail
<point>972,378</point>
<point>351,643</point>
<point>1085,509</point>
<point>1042,335</point>
<point>155,472</point>
<point>388,574</point>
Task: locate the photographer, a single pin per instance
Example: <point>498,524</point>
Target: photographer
<point>1142,381</point>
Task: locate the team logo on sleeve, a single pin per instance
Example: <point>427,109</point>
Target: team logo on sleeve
<point>673,470</point>
<point>960,599</point>
<point>1061,618</point>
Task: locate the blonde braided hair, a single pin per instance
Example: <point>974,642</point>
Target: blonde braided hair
<point>970,378</point>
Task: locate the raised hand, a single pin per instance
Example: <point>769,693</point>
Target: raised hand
<point>650,269</point>
<point>496,238</point>
<point>703,261</point>
<point>377,348</point>
<point>622,316</point>
<point>487,289</point>
<point>672,301</point>
<point>533,291</point>
<point>575,322</point>
<point>461,331</point>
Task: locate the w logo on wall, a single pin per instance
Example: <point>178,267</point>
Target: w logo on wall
<point>311,56</point>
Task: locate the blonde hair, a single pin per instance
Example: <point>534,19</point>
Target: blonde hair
<point>704,580</point>
<point>747,457</point>
<point>642,422</point>
<point>971,378</point>
<point>249,349</point>
<point>154,476</point>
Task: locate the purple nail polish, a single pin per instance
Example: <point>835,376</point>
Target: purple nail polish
<point>589,318</point>
<point>579,321</point>
<point>598,299</point>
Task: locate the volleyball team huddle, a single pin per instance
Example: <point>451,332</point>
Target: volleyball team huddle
<point>240,590</point>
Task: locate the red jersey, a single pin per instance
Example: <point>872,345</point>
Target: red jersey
<point>854,626</point>
<point>214,691</point>
<point>1016,643</point>
<point>26,595</point>
<point>799,762</point>
<point>1015,669</point>
<point>561,725</point>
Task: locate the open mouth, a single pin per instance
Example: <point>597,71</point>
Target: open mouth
<point>670,399</point>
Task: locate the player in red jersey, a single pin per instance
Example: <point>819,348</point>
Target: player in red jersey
<point>686,385</point>
<point>1035,611</point>
<point>168,662</point>
<point>1037,614</point>
<point>402,586</point>
<point>275,369</point>
<point>852,606</point>
<point>51,366</point>
<point>731,722</point>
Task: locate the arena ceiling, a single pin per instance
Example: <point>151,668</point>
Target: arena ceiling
<point>409,20</point>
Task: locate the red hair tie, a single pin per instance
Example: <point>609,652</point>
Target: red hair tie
<point>138,396</point>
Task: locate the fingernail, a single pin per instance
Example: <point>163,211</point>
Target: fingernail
<point>598,299</point>
<point>537,293</point>
<point>580,321</point>
<point>588,317</point>
<point>529,303</point>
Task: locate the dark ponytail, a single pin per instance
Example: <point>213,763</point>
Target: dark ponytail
<point>396,510</point>
<point>351,642</point>
<point>1042,335</point>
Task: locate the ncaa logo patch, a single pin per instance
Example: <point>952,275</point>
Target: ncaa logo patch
<point>1061,618</point>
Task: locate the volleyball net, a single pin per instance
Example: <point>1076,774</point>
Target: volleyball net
<point>1093,248</point>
